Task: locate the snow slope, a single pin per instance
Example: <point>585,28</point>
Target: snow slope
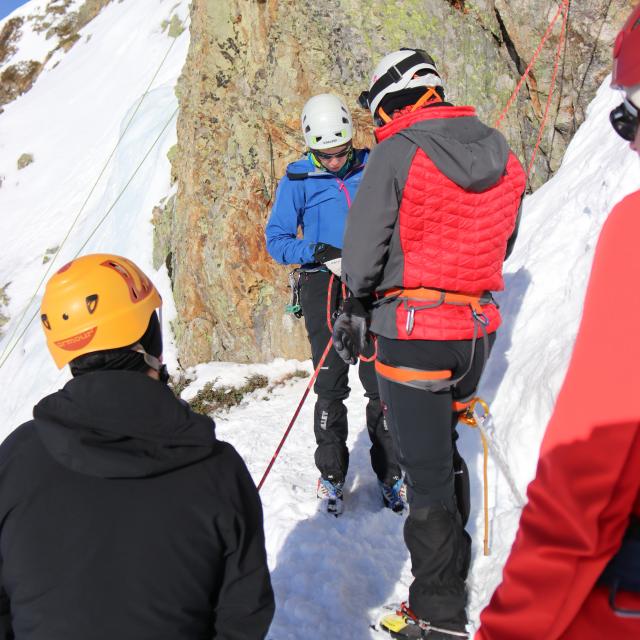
<point>71,121</point>
<point>330,575</point>
<point>34,43</point>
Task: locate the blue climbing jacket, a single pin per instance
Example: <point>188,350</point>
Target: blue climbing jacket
<point>315,200</point>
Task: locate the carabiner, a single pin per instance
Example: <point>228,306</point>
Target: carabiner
<point>410,320</point>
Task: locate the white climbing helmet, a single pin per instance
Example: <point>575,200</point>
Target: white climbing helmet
<point>396,72</point>
<point>326,122</point>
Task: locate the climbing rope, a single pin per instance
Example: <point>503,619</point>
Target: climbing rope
<point>564,6</point>
<point>11,344</point>
<point>563,10</point>
<point>7,353</point>
<point>553,85</point>
<point>313,379</point>
<point>297,411</point>
<point>473,420</point>
<point>479,421</point>
<point>469,416</point>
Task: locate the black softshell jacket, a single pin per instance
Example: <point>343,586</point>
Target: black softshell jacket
<point>123,518</point>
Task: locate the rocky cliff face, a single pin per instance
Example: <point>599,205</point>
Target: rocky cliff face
<point>251,66</point>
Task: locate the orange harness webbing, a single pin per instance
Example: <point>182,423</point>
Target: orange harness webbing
<point>406,374</point>
<point>474,300</point>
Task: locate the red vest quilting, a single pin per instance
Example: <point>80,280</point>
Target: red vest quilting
<point>452,239</point>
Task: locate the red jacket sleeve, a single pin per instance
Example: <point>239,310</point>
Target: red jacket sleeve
<point>587,479</point>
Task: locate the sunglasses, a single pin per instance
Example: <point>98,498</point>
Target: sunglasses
<point>625,119</point>
<point>321,155</point>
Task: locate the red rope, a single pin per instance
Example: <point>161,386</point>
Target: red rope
<point>553,84</point>
<point>329,290</point>
<point>297,411</point>
<point>561,8</point>
<point>313,379</point>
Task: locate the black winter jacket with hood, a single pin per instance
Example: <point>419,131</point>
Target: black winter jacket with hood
<point>122,516</point>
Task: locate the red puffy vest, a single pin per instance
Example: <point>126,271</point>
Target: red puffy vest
<point>452,239</point>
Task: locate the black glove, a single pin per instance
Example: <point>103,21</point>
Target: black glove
<point>329,256</point>
<point>324,252</point>
<point>350,329</point>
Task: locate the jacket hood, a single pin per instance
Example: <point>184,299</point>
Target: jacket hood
<point>468,152</point>
<point>121,424</point>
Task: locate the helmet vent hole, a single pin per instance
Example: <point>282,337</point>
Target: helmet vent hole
<point>307,129</point>
<point>45,321</point>
<point>65,316</point>
<point>91,302</point>
<point>134,293</point>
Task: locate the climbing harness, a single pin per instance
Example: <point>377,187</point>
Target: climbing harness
<point>434,298</point>
<point>623,571</point>
<point>437,297</point>
<point>416,378</point>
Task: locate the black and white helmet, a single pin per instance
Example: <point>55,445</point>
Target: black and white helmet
<point>326,122</point>
<point>397,72</point>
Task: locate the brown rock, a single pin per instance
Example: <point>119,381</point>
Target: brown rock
<point>250,68</point>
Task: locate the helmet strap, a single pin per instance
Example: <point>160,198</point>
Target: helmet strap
<point>153,363</point>
<point>384,116</point>
<point>430,95</point>
<point>315,160</point>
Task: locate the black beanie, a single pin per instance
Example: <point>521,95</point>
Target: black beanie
<point>405,98</point>
<point>122,357</point>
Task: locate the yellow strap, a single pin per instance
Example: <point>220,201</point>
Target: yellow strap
<point>469,418</point>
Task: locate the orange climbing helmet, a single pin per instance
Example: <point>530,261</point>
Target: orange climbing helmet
<point>96,302</point>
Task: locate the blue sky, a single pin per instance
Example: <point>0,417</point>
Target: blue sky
<point>7,6</point>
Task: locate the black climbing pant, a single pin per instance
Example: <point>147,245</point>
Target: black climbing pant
<point>423,427</point>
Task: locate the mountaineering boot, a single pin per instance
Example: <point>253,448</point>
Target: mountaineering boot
<point>404,624</point>
<point>394,496</point>
<point>331,495</point>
